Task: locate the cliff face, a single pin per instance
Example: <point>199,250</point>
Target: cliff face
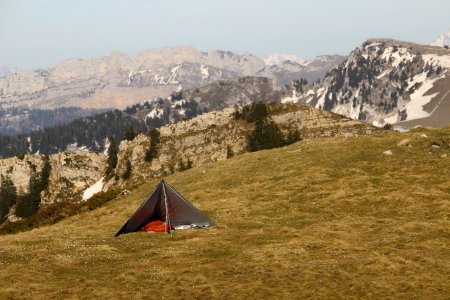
<point>117,81</point>
<point>71,173</point>
<point>206,139</point>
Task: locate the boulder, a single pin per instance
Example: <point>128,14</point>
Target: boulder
<point>388,152</point>
<point>404,142</point>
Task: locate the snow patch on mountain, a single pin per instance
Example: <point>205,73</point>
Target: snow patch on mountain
<point>94,189</point>
<point>204,71</point>
<point>293,99</point>
<point>435,60</point>
<point>155,113</point>
<point>396,55</point>
<point>179,103</point>
<point>414,108</point>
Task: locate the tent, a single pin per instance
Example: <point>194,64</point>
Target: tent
<point>167,205</point>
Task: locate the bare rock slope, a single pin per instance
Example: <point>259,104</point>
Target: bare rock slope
<point>71,173</point>
<point>208,138</point>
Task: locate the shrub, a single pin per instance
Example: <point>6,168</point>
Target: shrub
<point>29,203</point>
<point>8,196</point>
<point>127,174</point>
<point>251,113</point>
<point>152,151</point>
<point>100,199</point>
<point>24,206</point>
<point>293,136</point>
<point>388,126</point>
<point>54,213</point>
<point>230,152</point>
<point>112,157</point>
<point>266,135</point>
<point>183,167</point>
<point>130,133</point>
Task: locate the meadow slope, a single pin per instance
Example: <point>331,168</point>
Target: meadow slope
<point>318,219</point>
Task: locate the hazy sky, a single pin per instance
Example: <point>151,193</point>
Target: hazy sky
<point>40,33</point>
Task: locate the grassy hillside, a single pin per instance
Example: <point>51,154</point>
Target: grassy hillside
<point>320,218</point>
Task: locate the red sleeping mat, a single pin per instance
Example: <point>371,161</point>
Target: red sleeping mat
<point>157,226</point>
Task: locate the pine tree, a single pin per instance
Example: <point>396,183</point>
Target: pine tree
<point>230,152</point>
<point>24,206</point>
<point>35,189</point>
<point>29,203</point>
<point>181,165</point>
<point>293,136</point>
<point>45,173</point>
<point>8,196</point>
<point>112,157</point>
<point>130,133</point>
<point>189,164</point>
<point>266,135</point>
<point>127,174</point>
<point>152,151</point>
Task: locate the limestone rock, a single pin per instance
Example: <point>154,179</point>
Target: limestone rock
<point>71,173</point>
<point>388,153</point>
<point>404,142</point>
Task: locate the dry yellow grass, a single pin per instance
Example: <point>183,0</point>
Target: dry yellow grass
<point>318,219</point>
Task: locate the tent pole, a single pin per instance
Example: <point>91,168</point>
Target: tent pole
<point>167,209</point>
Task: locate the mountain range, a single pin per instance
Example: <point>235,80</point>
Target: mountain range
<point>116,81</point>
<point>386,81</point>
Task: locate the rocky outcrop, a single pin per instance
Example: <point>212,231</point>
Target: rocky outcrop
<point>206,138</point>
<point>71,173</point>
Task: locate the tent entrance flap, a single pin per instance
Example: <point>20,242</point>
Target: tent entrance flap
<point>167,205</point>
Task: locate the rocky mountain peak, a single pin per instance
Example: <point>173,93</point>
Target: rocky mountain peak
<point>442,40</point>
<point>385,81</point>
<point>117,81</point>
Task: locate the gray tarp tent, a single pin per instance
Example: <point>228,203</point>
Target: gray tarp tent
<point>167,205</point>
